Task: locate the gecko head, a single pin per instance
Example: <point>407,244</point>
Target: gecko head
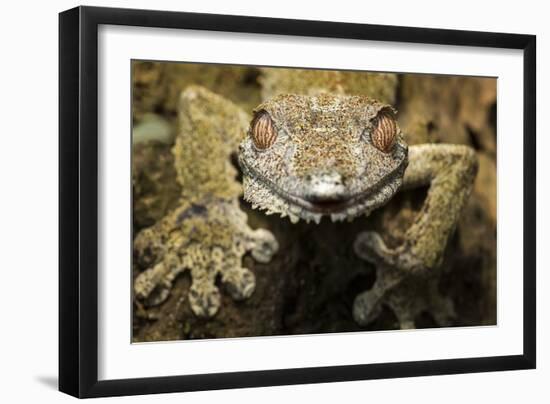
<point>328,155</point>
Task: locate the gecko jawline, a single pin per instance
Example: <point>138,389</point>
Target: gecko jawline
<point>343,207</point>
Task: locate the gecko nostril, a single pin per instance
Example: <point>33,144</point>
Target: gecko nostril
<point>324,187</point>
<point>333,178</point>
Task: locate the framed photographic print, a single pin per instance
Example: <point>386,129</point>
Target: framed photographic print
<point>250,201</point>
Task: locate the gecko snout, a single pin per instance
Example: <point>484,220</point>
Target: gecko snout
<point>324,187</point>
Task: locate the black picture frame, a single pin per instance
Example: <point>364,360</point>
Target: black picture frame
<point>78,201</point>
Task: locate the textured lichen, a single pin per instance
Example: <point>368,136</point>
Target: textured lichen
<point>457,109</point>
<point>157,86</point>
<point>154,189</point>
<point>148,87</point>
<point>380,86</point>
<point>236,83</point>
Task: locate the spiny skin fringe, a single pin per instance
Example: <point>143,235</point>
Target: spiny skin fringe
<point>264,199</point>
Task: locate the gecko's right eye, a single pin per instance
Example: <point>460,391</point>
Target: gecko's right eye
<point>262,131</point>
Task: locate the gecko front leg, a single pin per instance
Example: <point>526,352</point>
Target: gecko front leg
<point>449,170</point>
<point>208,239</point>
<point>207,234</point>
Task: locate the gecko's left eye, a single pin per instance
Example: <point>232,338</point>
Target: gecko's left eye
<point>262,131</point>
<point>384,132</point>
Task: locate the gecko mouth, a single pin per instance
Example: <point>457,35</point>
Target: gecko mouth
<point>325,207</point>
<point>264,195</point>
<point>329,206</point>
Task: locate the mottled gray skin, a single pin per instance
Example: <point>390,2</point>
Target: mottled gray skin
<point>323,163</point>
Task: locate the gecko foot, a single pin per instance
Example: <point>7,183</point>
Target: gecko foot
<point>368,305</point>
<point>263,245</point>
<point>407,298</point>
<point>208,240</point>
<point>417,296</point>
<point>366,308</point>
<point>402,284</point>
<point>153,285</point>
<point>239,283</point>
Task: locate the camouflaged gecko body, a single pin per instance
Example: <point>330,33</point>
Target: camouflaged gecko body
<point>322,152</point>
<point>207,234</point>
<point>321,155</point>
<point>323,163</point>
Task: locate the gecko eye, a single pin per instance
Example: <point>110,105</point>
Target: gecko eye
<point>384,132</point>
<point>262,131</point>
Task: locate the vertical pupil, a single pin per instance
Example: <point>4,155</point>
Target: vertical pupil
<point>263,132</point>
<point>384,132</point>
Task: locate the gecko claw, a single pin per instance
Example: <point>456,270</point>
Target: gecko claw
<point>264,245</point>
<point>152,286</point>
<point>204,298</point>
<point>239,283</point>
